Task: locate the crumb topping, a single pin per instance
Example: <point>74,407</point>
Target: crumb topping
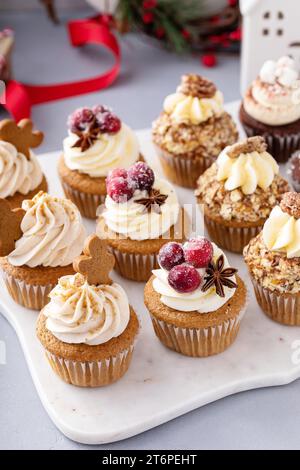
<point>290,204</point>
<point>252,144</point>
<point>235,205</point>
<point>197,86</point>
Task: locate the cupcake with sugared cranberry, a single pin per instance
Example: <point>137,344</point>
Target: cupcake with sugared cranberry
<point>97,143</point>
<point>140,213</point>
<point>238,192</point>
<point>192,130</point>
<point>195,299</point>
<point>88,328</point>
<point>273,260</point>
<point>271,107</point>
<point>38,244</point>
<point>21,176</point>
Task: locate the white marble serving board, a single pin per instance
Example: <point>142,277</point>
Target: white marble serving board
<point>160,384</point>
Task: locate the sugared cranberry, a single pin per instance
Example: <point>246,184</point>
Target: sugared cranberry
<point>184,278</point>
<point>142,175</point>
<point>116,173</point>
<point>79,119</point>
<point>108,122</point>
<point>99,109</point>
<point>120,189</point>
<point>198,252</point>
<point>170,255</point>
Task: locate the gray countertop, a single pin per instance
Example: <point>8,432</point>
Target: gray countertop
<point>266,418</point>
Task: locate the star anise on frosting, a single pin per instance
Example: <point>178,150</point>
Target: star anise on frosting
<point>217,276</point>
<point>153,201</point>
<point>87,136</point>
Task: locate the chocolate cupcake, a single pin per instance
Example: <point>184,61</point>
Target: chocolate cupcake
<point>192,130</point>
<point>271,107</point>
<point>238,193</point>
<point>273,262</point>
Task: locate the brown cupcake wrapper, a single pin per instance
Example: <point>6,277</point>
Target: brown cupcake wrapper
<point>86,203</point>
<point>280,147</point>
<point>198,342</point>
<point>30,296</point>
<point>134,266</point>
<point>284,309</point>
<point>183,171</point>
<point>91,374</point>
<point>230,238</point>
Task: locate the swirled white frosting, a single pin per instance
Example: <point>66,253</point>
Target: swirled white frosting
<point>17,173</point>
<point>132,220</point>
<point>53,233</point>
<point>281,232</point>
<point>247,171</point>
<point>183,108</point>
<point>82,313</point>
<point>199,301</point>
<point>274,97</point>
<point>109,151</point>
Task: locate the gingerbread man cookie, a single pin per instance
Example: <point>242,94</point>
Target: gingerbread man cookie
<point>20,135</point>
<point>96,262</point>
<point>10,227</point>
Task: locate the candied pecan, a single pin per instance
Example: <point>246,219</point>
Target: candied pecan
<point>197,86</point>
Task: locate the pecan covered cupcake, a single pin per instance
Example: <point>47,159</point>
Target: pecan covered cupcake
<point>38,244</point>
<point>238,193</point>
<point>271,107</point>
<point>273,259</point>
<point>196,300</point>
<point>21,176</point>
<point>88,328</point>
<point>97,143</point>
<point>192,130</point>
<point>140,213</point>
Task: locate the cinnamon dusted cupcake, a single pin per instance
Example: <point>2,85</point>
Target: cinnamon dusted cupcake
<point>196,300</point>
<point>88,328</point>
<point>271,107</point>
<point>97,143</point>
<point>21,176</point>
<point>192,130</point>
<point>273,259</point>
<point>39,246</point>
<point>238,193</point>
<point>140,213</point>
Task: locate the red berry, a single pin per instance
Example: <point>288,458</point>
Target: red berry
<point>116,173</point>
<point>185,34</point>
<point>209,60</point>
<point>79,119</point>
<point>198,252</point>
<point>160,32</point>
<point>184,278</point>
<point>120,189</point>
<point>99,109</point>
<point>142,175</point>
<point>108,122</point>
<point>170,255</point>
<point>148,17</point>
<point>232,3</point>
<point>149,4</point>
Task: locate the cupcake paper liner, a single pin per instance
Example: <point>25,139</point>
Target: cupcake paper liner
<point>86,203</point>
<point>134,266</point>
<point>198,342</point>
<point>280,147</point>
<point>282,308</point>
<point>183,171</point>
<point>30,296</point>
<point>230,238</point>
<point>91,374</point>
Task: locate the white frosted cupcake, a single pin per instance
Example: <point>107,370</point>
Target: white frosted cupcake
<point>97,143</point>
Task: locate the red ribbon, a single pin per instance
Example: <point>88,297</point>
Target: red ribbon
<point>20,96</point>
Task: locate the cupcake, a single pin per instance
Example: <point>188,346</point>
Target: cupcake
<point>37,246</point>
<point>192,130</point>
<point>294,170</point>
<point>271,107</point>
<point>238,192</point>
<point>140,213</point>
<point>21,176</point>
<point>196,300</point>
<point>273,258</point>
<point>88,328</point>
<point>97,143</point>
